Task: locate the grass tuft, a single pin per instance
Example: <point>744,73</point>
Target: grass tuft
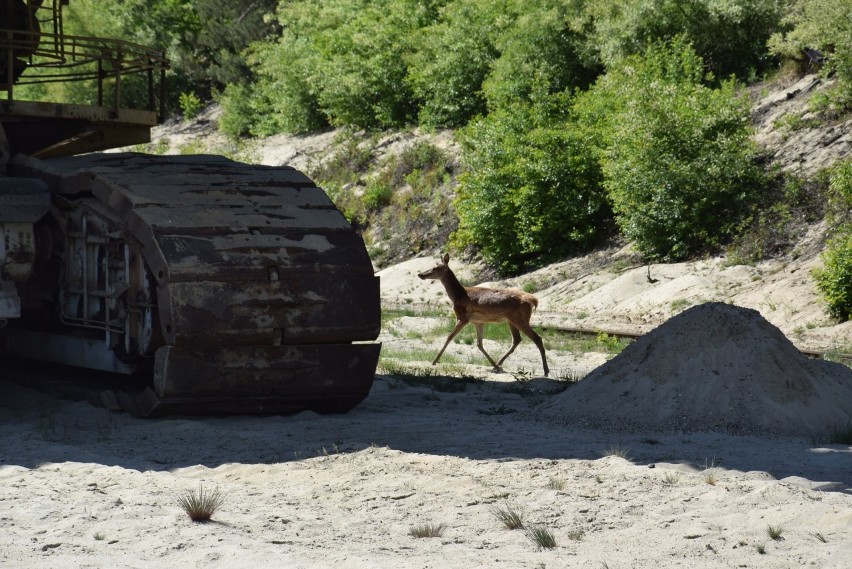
<point>427,530</point>
<point>510,516</point>
<point>200,506</point>
<point>774,532</point>
<point>617,451</point>
<point>671,478</point>
<point>541,536</point>
<point>836,434</point>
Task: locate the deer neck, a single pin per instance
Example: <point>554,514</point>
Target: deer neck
<point>455,290</point>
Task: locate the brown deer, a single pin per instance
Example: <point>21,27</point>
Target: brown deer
<point>478,306</point>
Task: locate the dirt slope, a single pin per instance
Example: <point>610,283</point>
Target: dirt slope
<point>610,288</point>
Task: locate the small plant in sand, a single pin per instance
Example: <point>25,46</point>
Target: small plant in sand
<point>541,536</point>
<point>710,472</point>
<point>501,410</point>
<point>556,484</point>
<point>510,516</point>
<point>522,375</point>
<point>671,478</point>
<point>774,532</point>
<point>427,530</point>
<point>760,548</point>
<point>576,534</point>
<point>837,434</point>
<point>617,451</point>
<point>200,506</point>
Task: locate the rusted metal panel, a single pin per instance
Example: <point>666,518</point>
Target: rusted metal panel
<point>263,257</point>
<point>301,310</point>
<point>297,372</point>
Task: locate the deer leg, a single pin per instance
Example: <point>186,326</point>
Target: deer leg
<point>479,345</point>
<point>527,329</point>
<point>516,339</point>
<point>459,325</point>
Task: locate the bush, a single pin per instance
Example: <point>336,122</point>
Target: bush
<point>834,280</point>
<point>190,105</point>
<point>730,35</point>
<point>362,82</point>
<point>545,44</point>
<point>824,25</point>
<point>679,167</point>
<point>531,192</point>
<point>450,60</point>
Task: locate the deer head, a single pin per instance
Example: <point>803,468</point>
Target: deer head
<point>437,271</point>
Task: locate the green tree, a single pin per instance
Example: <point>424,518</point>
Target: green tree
<point>834,279</point>
<point>204,40</point>
<point>451,57</point>
<point>730,35</point>
<point>546,43</point>
<point>679,166</point>
<point>825,25</point>
<point>531,192</point>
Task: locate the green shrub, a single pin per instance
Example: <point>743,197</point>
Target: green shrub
<point>451,58</point>
<point>377,195</point>
<point>531,192</point>
<point>825,25</point>
<point>362,82</point>
<point>190,105</point>
<point>729,35</point>
<point>679,167</point>
<point>237,117</point>
<point>546,44</point>
<point>834,280</point>
<point>350,159</point>
<point>284,96</point>
<point>420,157</point>
<point>840,192</point>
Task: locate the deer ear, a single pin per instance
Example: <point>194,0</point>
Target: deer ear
<point>446,258</point>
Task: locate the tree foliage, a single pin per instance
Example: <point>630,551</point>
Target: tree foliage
<point>730,35</point>
<point>204,40</point>
<point>451,57</point>
<point>546,44</point>
<point>679,166</point>
<point>532,190</point>
<point>825,25</point>
<point>834,280</point>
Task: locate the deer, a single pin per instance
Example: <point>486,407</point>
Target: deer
<point>479,305</point>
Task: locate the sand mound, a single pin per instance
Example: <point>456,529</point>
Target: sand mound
<point>714,367</point>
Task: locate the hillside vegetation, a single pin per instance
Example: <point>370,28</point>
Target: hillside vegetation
<point>578,122</point>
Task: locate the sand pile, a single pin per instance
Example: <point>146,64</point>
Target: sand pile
<point>714,367</point>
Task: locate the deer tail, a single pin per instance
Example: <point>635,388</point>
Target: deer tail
<point>531,300</point>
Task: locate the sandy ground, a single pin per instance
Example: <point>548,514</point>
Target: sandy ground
<point>82,487</point>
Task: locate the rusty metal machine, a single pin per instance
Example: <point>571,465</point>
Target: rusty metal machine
<point>226,287</point>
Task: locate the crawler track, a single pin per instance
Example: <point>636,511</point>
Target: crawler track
<point>232,288</point>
